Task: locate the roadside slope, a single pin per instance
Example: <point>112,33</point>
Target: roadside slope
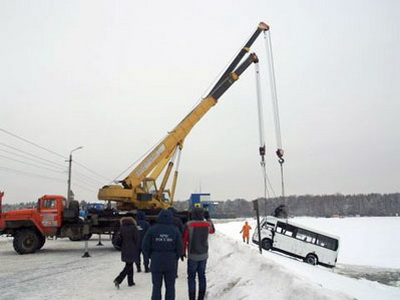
<point>246,258</point>
<point>237,271</point>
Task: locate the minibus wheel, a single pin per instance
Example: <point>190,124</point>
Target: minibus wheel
<point>266,244</point>
<point>311,259</point>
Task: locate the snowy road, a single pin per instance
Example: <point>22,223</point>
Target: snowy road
<point>59,272</point>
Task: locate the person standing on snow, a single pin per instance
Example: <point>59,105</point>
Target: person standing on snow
<point>179,225</point>
<point>142,226</point>
<point>246,232</point>
<point>129,243</point>
<point>163,245</point>
<point>195,240</point>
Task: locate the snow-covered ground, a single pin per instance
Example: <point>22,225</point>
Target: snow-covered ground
<point>369,248</point>
<point>235,270</point>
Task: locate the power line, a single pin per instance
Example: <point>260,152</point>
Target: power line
<point>139,159</point>
<point>91,171</point>
<point>63,168</point>
<point>85,181</point>
<point>16,149</point>
<point>88,179</point>
<point>48,150</point>
<point>35,160</point>
<point>9,170</point>
<point>23,162</point>
<point>85,188</point>
<point>32,143</point>
<point>29,174</point>
<point>84,178</point>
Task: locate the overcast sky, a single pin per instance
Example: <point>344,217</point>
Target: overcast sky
<point>116,76</point>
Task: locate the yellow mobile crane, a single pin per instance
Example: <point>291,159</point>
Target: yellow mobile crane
<point>139,190</point>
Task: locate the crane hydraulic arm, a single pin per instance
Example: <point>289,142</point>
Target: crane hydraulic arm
<point>138,190</point>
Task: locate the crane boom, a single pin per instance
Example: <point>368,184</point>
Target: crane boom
<point>140,191</point>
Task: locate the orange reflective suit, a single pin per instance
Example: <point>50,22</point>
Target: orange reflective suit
<point>246,232</point>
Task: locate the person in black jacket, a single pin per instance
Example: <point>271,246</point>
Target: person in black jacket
<point>179,225</point>
<point>176,220</point>
<point>129,249</point>
<point>163,244</point>
<point>142,226</point>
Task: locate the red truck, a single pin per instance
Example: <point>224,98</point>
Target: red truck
<point>52,217</point>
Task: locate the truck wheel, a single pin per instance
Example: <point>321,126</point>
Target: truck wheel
<point>86,237</point>
<point>311,259</point>
<point>42,240</point>
<point>266,244</point>
<point>26,241</point>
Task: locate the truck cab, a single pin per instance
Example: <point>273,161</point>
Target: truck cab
<point>30,226</point>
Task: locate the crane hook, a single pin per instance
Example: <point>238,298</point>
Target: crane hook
<point>280,153</point>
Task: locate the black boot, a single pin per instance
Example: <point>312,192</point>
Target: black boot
<point>202,293</point>
<point>116,283</point>
<point>130,281</point>
<point>138,268</point>
<point>146,269</point>
<point>192,296</point>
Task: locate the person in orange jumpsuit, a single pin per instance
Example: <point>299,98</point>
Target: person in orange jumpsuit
<point>246,232</point>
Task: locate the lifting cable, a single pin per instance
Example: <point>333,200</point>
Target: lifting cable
<point>279,152</point>
<point>262,149</point>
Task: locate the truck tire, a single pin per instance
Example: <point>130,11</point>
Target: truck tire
<point>26,241</point>
<point>42,240</point>
<point>86,237</point>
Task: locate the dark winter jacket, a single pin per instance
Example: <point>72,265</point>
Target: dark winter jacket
<point>129,240</point>
<point>178,224</point>
<point>176,220</point>
<point>142,226</point>
<point>163,243</point>
<point>195,236</point>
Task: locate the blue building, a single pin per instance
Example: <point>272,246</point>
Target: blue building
<point>202,200</point>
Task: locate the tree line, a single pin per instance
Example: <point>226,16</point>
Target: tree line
<point>304,205</point>
<point>312,205</point>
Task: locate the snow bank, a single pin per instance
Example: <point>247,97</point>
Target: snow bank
<point>329,278</point>
<point>239,272</point>
<point>364,241</point>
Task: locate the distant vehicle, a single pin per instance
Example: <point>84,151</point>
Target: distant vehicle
<point>312,246</point>
<point>91,208</point>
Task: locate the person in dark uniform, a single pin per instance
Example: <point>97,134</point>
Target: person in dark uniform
<point>163,244</point>
<point>179,225</point>
<point>142,226</point>
<point>129,249</point>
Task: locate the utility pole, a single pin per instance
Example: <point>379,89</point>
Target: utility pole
<point>255,206</point>
<point>69,176</point>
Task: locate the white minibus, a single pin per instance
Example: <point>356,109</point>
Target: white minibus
<point>312,246</point>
